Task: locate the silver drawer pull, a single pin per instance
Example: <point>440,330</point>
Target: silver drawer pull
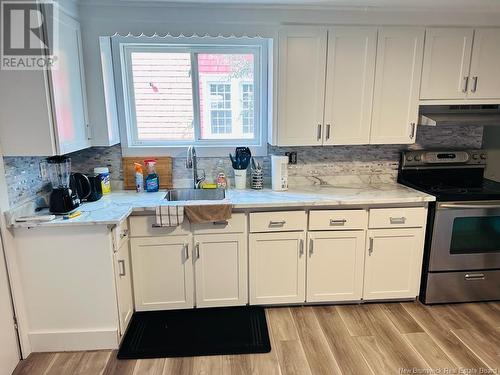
<point>221,222</point>
<point>397,220</point>
<point>311,246</point>
<point>338,222</point>
<point>301,247</point>
<point>121,268</point>
<point>475,276</point>
<point>197,250</point>
<point>186,251</point>
<point>370,246</point>
<point>277,223</point>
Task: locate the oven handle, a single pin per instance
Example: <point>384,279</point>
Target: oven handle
<point>466,205</point>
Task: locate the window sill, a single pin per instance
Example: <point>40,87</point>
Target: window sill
<point>180,151</point>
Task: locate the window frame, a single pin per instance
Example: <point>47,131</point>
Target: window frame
<point>122,49</point>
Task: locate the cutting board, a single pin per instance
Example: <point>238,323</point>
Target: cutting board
<point>163,169</point>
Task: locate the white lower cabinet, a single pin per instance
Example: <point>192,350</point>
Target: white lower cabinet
<point>162,272</point>
<point>277,267</point>
<point>123,277</point>
<point>393,263</point>
<point>335,266</point>
<point>220,263</point>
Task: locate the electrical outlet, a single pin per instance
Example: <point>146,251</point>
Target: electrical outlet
<point>292,157</point>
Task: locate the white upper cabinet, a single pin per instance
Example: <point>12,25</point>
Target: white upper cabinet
<point>349,85</point>
<point>447,59</point>
<point>45,112</point>
<point>485,65</point>
<point>301,86</point>
<point>461,64</point>
<point>397,83</point>
<point>68,89</point>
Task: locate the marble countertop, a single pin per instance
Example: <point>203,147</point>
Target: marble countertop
<point>117,206</point>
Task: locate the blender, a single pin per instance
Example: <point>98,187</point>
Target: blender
<point>62,199</point>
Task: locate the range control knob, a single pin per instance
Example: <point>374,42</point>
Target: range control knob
<point>418,158</point>
<point>409,158</point>
<point>475,156</point>
<point>483,156</point>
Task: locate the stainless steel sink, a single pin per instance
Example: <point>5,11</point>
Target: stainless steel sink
<point>195,194</point>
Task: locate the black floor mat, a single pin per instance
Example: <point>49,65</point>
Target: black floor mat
<point>195,332</point>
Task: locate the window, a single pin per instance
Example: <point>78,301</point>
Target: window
<point>202,93</point>
<point>220,109</point>
<point>247,106</point>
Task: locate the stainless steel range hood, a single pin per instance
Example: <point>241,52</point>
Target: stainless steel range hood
<point>440,115</point>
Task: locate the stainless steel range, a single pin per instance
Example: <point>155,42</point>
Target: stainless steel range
<point>462,247</point>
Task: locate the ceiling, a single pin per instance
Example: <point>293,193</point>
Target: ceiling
<point>461,5</point>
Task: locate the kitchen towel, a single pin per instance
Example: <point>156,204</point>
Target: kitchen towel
<point>169,216</point>
<point>208,213</point>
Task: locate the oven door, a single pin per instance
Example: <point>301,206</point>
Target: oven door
<point>466,236</point>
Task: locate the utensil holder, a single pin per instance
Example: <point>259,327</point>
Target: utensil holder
<point>257,179</point>
<point>240,179</point>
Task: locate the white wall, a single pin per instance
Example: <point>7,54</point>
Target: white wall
<point>102,20</point>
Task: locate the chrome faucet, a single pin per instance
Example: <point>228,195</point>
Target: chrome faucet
<point>192,163</point>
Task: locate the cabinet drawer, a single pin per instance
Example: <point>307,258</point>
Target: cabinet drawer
<point>278,221</point>
<point>237,224</point>
<point>338,219</point>
<point>142,226</point>
<point>120,234</point>
<point>397,217</point>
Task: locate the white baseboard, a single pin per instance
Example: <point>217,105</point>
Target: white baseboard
<point>52,341</point>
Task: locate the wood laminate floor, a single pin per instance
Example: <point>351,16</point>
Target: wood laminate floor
<point>392,338</point>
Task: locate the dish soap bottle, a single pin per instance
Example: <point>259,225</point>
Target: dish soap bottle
<point>139,178</point>
<point>221,176</point>
<point>152,179</point>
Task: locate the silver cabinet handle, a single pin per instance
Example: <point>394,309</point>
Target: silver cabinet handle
<point>413,129</point>
<point>186,251</point>
<point>311,246</point>
<point>465,84</point>
<point>327,132</point>
<point>474,84</point>
<point>397,220</point>
<point>318,136</point>
<point>277,223</point>
<point>197,250</point>
<point>121,268</point>
<point>475,276</point>
<point>221,222</point>
<point>301,247</point>
<point>370,246</point>
<point>338,222</point>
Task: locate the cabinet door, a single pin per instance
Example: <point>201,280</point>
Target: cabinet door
<point>123,279</point>
<point>162,273</point>
<point>349,85</point>
<point>277,268</point>
<point>301,85</point>
<point>485,67</point>
<point>335,266</point>
<point>446,63</point>
<point>68,89</point>
<point>393,263</point>
<point>221,270</point>
<point>397,80</point>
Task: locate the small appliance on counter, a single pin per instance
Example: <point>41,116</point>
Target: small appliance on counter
<point>279,172</point>
<point>462,245</point>
<point>87,187</point>
<point>62,199</point>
